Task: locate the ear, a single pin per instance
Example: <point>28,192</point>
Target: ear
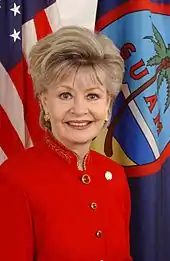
<point>44,101</point>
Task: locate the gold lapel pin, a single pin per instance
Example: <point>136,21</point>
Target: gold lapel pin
<point>108,175</point>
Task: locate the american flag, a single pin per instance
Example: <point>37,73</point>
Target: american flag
<point>22,23</point>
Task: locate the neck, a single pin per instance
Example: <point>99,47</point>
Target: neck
<point>81,152</point>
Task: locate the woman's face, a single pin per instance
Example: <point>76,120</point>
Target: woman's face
<point>78,106</point>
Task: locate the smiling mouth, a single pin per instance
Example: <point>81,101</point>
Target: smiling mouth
<point>79,125</point>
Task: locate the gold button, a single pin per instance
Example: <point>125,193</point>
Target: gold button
<point>86,179</point>
<point>93,205</point>
<point>99,233</point>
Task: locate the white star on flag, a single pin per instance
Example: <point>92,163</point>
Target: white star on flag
<point>15,9</point>
<point>15,35</point>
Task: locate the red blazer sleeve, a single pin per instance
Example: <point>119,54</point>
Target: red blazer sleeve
<point>127,209</point>
<point>16,237</point>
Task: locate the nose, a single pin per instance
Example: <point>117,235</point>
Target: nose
<point>79,107</point>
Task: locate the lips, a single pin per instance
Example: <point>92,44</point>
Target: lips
<point>79,124</point>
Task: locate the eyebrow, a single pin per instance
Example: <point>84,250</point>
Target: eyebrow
<point>64,86</point>
<point>95,88</point>
<point>90,89</point>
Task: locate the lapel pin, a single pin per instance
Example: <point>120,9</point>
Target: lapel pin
<point>108,175</point>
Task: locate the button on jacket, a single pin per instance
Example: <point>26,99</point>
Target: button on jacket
<point>52,211</point>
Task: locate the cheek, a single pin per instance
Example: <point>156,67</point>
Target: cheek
<point>99,114</point>
<point>58,110</point>
<point>100,111</point>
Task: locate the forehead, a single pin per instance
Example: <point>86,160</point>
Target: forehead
<point>84,76</point>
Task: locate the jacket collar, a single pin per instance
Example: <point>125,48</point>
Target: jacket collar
<point>63,152</point>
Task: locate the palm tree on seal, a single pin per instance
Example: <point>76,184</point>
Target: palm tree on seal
<point>162,57</point>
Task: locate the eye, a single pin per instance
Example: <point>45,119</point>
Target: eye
<point>65,96</point>
<point>93,96</point>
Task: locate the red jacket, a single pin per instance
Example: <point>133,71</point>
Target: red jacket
<point>50,211</point>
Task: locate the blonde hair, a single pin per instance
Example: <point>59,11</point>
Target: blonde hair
<point>56,55</point>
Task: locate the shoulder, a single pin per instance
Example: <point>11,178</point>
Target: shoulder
<point>102,160</point>
<point>113,172</point>
<point>19,160</point>
<point>22,165</point>
<point>105,165</point>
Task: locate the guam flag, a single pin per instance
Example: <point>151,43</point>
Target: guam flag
<point>138,135</point>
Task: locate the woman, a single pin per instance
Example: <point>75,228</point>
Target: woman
<point>60,201</point>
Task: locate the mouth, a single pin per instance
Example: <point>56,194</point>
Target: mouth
<point>79,124</point>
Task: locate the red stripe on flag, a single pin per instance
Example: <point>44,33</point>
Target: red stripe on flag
<point>128,8</point>
<point>9,139</point>
<point>24,86</point>
<point>42,25</point>
<point>31,107</point>
<point>16,75</point>
<point>149,169</point>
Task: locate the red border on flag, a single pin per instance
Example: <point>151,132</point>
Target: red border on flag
<point>151,168</point>
<point>130,7</point>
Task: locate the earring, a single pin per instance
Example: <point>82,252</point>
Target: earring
<point>107,119</point>
<point>46,117</point>
<point>108,116</point>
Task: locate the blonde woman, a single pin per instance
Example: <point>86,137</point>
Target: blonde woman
<point>60,201</point>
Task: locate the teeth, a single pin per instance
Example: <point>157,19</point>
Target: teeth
<point>78,124</point>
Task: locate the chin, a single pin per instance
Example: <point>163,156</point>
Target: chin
<point>80,140</point>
